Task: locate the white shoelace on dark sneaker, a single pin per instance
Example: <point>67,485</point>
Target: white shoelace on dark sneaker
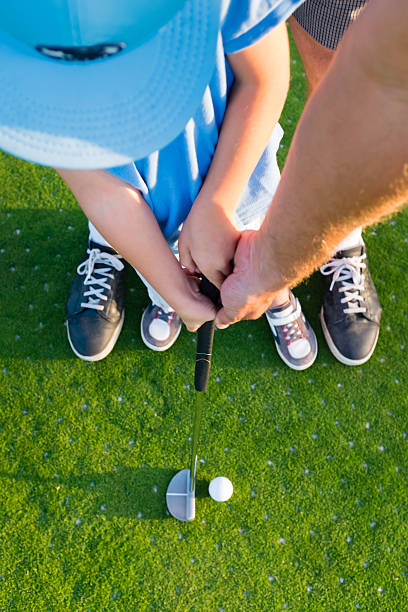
<point>97,285</point>
<point>349,271</point>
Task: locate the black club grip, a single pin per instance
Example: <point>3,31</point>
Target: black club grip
<point>205,336</point>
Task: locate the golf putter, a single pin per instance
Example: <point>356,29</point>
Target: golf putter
<point>180,496</point>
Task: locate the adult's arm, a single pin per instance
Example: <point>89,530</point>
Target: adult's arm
<point>347,165</point>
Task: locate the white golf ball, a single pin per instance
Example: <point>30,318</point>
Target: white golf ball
<point>220,489</point>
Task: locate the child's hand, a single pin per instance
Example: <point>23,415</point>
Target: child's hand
<point>207,241</point>
<point>195,308</point>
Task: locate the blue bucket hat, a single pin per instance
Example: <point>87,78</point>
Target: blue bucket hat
<point>99,83</point>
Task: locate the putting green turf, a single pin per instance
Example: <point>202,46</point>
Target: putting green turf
<point>318,459</point>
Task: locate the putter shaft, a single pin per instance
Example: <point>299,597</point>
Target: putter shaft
<point>180,494</point>
<point>198,411</point>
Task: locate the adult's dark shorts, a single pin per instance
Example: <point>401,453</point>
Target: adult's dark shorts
<point>327,20</point>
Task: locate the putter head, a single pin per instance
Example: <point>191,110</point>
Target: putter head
<point>180,497</point>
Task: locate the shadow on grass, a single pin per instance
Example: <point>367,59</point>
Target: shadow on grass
<point>134,493</point>
<point>39,255</point>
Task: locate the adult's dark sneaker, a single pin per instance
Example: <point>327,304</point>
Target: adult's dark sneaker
<point>159,329</point>
<point>295,340</point>
<point>96,305</point>
<point>351,310</point>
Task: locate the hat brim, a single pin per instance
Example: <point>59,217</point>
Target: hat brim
<point>108,112</point>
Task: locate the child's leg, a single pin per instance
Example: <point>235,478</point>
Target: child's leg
<point>160,325</point>
<point>154,296</point>
<point>97,237</point>
<point>294,339</point>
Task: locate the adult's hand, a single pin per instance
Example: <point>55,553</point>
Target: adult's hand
<point>243,293</point>
<point>336,176</point>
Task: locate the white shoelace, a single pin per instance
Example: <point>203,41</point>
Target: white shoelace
<point>289,324</point>
<point>170,314</point>
<point>350,272</point>
<point>97,285</point>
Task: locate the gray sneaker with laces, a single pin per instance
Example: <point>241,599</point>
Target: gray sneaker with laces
<point>159,329</point>
<point>295,340</point>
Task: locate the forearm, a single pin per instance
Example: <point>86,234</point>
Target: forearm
<point>254,106</point>
<point>348,162</point>
<point>255,103</point>
<point>122,216</point>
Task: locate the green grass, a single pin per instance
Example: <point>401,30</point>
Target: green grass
<point>318,459</point>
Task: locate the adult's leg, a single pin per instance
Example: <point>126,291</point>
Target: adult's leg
<point>317,27</point>
<point>315,57</point>
<point>351,311</point>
